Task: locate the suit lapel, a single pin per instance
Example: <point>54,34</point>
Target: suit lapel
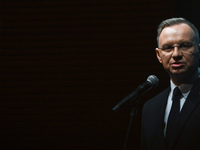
<point>191,102</point>
<point>161,113</point>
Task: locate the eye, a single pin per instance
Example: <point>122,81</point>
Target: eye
<point>167,48</point>
<point>185,46</point>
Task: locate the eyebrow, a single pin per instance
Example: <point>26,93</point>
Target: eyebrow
<point>169,44</point>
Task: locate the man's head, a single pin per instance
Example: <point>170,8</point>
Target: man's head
<point>175,21</point>
<point>178,48</point>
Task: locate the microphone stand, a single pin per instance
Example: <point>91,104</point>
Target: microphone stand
<point>133,114</point>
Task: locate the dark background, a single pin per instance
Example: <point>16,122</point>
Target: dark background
<point>65,65</point>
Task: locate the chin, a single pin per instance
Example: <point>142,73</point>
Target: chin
<point>178,71</point>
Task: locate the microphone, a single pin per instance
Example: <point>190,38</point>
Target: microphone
<point>152,81</point>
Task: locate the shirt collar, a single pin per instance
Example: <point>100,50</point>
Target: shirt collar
<point>184,88</point>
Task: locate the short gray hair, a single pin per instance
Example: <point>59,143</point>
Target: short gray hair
<point>175,21</point>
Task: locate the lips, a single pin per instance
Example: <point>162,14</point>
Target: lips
<point>177,64</point>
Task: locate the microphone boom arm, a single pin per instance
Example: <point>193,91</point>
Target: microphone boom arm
<point>151,82</point>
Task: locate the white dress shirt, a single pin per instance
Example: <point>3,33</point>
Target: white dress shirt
<point>185,90</point>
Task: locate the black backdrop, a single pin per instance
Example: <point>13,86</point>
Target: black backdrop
<point>65,64</point>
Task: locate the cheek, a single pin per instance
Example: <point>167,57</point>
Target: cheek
<point>193,53</point>
<point>189,53</point>
<point>165,57</point>
<point>191,56</point>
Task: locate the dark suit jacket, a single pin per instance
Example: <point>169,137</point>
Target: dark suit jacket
<point>187,135</point>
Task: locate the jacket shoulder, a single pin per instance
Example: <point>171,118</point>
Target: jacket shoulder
<point>157,100</point>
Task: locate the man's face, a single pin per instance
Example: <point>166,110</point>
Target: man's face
<point>183,60</point>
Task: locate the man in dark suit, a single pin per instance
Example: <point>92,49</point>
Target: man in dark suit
<point>171,120</point>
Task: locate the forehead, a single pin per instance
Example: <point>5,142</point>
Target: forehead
<point>176,34</point>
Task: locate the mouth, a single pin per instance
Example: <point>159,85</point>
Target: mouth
<point>177,65</point>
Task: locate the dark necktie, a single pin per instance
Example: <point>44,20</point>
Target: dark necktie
<point>174,114</point>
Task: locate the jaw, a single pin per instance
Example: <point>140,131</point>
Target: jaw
<point>180,76</point>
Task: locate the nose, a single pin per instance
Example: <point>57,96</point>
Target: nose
<point>176,52</point>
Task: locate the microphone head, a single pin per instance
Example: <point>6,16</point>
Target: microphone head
<point>153,80</point>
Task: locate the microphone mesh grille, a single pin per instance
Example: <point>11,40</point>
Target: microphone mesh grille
<point>153,80</point>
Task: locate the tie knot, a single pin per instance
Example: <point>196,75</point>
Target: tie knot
<point>177,93</point>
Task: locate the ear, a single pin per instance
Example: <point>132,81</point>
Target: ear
<point>158,55</point>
